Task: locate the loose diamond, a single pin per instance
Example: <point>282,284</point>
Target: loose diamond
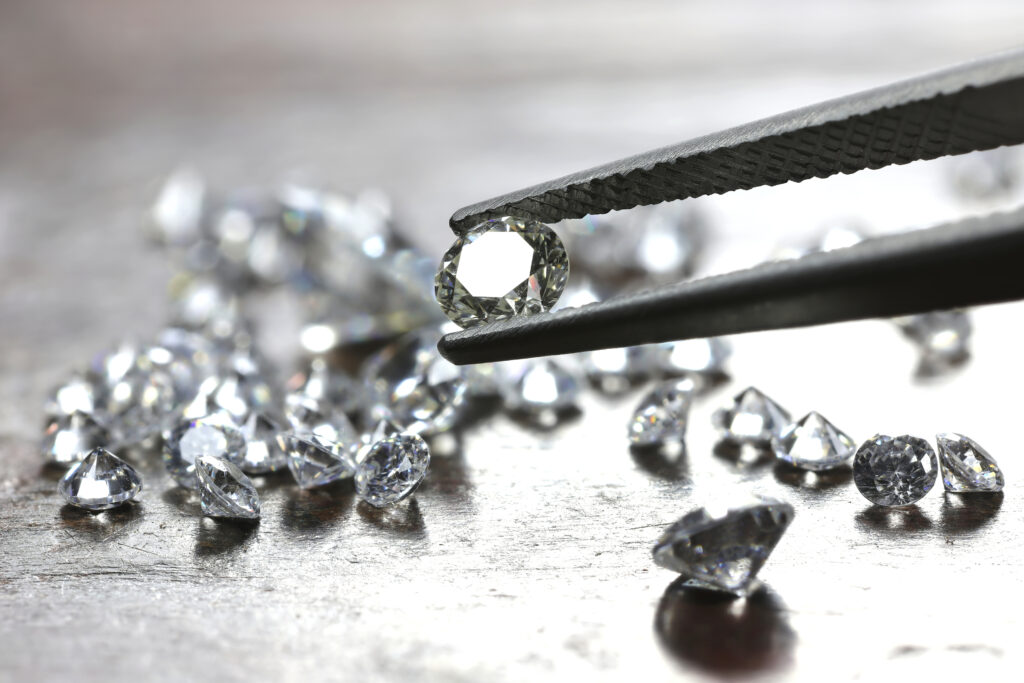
<point>966,466</point>
<point>214,435</point>
<point>894,470</point>
<point>238,392</point>
<point>99,482</point>
<point>662,415</point>
<point>942,336</point>
<point>541,387</point>
<point>322,382</point>
<point>389,470</point>
<point>315,463</point>
<point>81,393</point>
<point>188,358</point>
<point>413,386</point>
<point>262,451</point>
<point>724,549</point>
<point>699,356</point>
<point>69,438</point>
<point>615,371</point>
<point>753,418</point>
<point>224,490</point>
<point>139,403</point>
<point>315,419</point>
<point>814,443</point>
<point>501,268</point>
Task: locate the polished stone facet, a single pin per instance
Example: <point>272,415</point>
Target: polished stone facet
<point>662,414</point>
<point>390,469</point>
<point>724,549</point>
<point>814,443</point>
<point>541,386</point>
<point>224,490</point>
<point>69,438</point>
<point>501,268</point>
<point>214,435</point>
<point>894,471</point>
<point>313,462</point>
<point>753,418</point>
<point>966,466</point>
<point>99,482</point>
<point>263,453</point>
<point>410,384</point>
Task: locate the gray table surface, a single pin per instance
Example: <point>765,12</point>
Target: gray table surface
<point>526,555</point>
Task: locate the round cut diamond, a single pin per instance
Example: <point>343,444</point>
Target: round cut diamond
<point>894,470</point>
<point>69,438</point>
<point>501,268</point>
<point>263,453</point>
<point>966,466</point>
<point>389,470</point>
<point>313,461</point>
<point>753,418</point>
<point>224,490</point>
<point>99,482</point>
<point>724,549</point>
<point>214,435</point>
<point>814,443</point>
<point>662,414</point>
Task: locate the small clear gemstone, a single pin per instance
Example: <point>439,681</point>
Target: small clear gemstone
<point>238,392</point>
<point>69,438</point>
<point>692,356</point>
<point>81,393</point>
<point>262,451</point>
<point>541,385</point>
<point>894,470</point>
<point>316,419</point>
<point>615,371</point>
<point>314,462</point>
<point>390,469</point>
<point>100,481</point>
<point>188,358</point>
<point>814,443</point>
<point>669,242</point>
<point>501,268</point>
<point>753,418</point>
<point>224,490</point>
<point>662,414</point>
<point>176,216</point>
<point>322,382</point>
<point>214,435</point>
<point>139,403</point>
<point>410,384</point>
<point>942,336</point>
<point>966,466</point>
<point>724,549</point>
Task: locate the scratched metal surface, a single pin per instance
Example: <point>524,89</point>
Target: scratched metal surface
<point>525,556</point>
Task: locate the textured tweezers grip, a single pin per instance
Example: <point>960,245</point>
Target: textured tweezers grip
<point>976,261</point>
<point>970,107</point>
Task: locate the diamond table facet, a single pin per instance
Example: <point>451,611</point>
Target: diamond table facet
<point>966,466</point>
<point>894,471</point>
<point>814,443</point>
<point>214,435</point>
<point>224,490</point>
<point>501,268</point>
<point>99,482</point>
<point>724,549</point>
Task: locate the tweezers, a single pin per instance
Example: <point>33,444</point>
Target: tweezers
<point>974,106</point>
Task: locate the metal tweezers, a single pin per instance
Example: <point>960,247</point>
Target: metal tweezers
<point>975,106</point>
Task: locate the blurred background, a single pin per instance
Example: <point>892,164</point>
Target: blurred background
<point>440,104</point>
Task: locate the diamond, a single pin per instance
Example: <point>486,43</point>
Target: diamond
<point>313,462</point>
<point>410,384</point>
<point>214,435</point>
<point>139,403</point>
<point>238,392</point>
<point>262,451</point>
<point>69,438</point>
<point>724,549</point>
<point>224,490</point>
<point>942,336</point>
<point>814,443</point>
<point>966,466</point>
<point>188,358</point>
<point>390,469</point>
<point>662,414</point>
<point>501,268</point>
<point>99,482</point>
<point>894,470</point>
<point>669,242</point>
<point>81,393</point>
<point>616,370</point>
<point>692,356</point>
<point>753,418</point>
<point>541,386</point>
<point>176,216</point>
<point>325,383</point>
<point>315,419</point>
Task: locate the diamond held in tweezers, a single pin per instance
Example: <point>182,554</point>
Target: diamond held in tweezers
<point>966,466</point>
<point>501,268</point>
